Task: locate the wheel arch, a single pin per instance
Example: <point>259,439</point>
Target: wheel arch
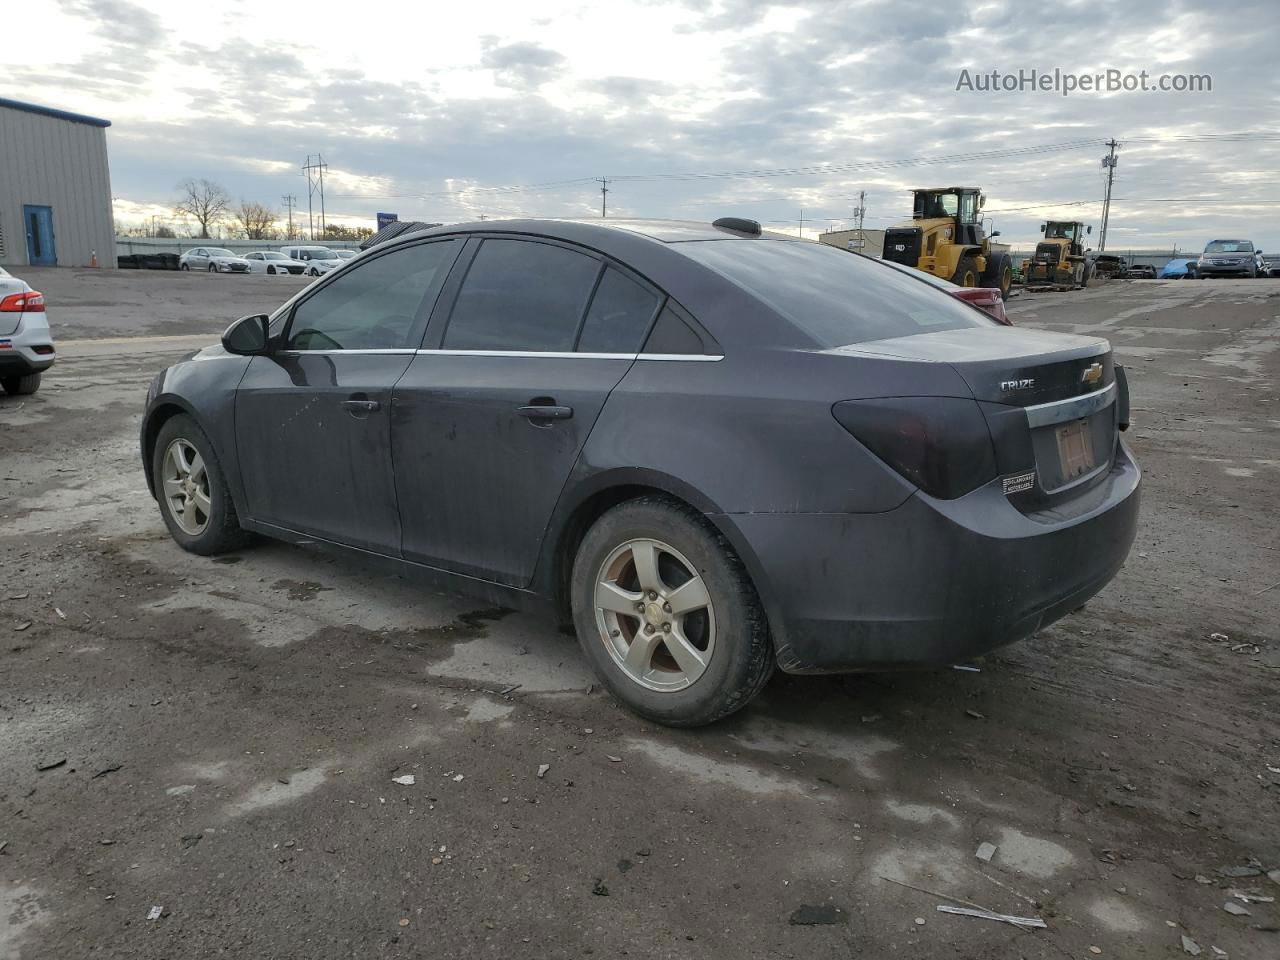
<point>592,499</point>
<point>163,409</point>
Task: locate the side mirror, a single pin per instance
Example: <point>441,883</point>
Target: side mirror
<point>1089,229</point>
<point>994,234</point>
<point>1042,226</point>
<point>248,336</point>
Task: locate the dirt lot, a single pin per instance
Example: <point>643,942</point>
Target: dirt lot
<point>216,739</point>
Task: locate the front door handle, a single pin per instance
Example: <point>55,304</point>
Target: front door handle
<point>358,408</point>
<point>540,412</point>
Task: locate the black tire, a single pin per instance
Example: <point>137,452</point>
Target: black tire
<point>271,271</point>
<point>213,268</point>
<point>742,657</point>
<point>185,267</point>
<point>222,533</point>
<point>966,274</point>
<point>21,386</point>
<point>999,274</point>
<point>1087,275</point>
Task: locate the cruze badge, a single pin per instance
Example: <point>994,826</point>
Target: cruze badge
<point>1091,373</point>
<point>1017,384</point>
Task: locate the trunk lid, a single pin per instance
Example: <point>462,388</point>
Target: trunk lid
<point>1050,401</point>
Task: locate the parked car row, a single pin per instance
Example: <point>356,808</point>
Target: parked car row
<point>311,260</point>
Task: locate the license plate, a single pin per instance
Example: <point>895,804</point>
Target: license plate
<point>1075,448</point>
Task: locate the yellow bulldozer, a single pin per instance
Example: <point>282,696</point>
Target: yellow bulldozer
<point>1060,256</point>
<point>945,238</point>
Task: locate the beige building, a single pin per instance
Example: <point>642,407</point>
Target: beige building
<point>870,242</point>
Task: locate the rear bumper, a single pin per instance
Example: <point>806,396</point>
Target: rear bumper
<point>18,350</point>
<point>933,582</point>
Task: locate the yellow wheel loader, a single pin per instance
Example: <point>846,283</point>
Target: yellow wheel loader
<point>1060,256</point>
<point>945,239</point>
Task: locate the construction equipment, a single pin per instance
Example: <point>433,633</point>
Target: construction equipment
<point>946,239</point>
<point>1060,256</point>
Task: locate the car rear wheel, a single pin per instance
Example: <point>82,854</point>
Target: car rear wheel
<point>667,616</point>
<point>194,499</point>
<point>21,386</point>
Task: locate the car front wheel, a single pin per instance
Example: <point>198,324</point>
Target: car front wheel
<point>194,499</point>
<point>667,615</point>
<point>213,268</point>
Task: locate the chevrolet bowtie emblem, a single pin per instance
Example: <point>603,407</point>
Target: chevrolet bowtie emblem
<point>1091,373</point>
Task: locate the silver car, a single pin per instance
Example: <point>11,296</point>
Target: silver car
<point>26,346</point>
<point>214,260</point>
<point>271,262</point>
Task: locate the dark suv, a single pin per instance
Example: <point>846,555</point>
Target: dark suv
<point>713,450</point>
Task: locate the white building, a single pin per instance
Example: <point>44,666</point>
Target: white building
<point>55,188</point>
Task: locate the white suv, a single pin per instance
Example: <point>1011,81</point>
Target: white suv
<point>319,260</point>
<point>26,346</point>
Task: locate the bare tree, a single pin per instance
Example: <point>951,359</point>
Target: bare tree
<point>255,221</point>
<point>203,201</point>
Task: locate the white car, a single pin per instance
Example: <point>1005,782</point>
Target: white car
<point>271,262</point>
<point>319,260</point>
<point>213,259</point>
<point>26,345</point>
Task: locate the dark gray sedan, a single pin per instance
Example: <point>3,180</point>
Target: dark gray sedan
<point>713,450</point>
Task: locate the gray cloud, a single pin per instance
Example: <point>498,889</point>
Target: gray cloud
<point>523,65</point>
<point>853,83</point>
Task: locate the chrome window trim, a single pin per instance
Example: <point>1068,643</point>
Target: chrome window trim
<point>527,354</point>
<point>1073,408</point>
<point>568,355</point>
<point>391,351</point>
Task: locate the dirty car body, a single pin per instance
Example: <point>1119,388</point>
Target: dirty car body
<point>904,481</point>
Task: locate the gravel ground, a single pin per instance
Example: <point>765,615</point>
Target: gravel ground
<point>218,740</point>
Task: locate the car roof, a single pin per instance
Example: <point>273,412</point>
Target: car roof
<point>573,228</point>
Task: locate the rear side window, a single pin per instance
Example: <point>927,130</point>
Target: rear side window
<point>620,314</point>
<point>521,295</point>
<point>834,296</point>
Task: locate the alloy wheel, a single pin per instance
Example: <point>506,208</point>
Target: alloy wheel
<point>185,483</point>
<point>655,615</point>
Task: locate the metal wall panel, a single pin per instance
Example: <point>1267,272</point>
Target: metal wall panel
<point>48,161</point>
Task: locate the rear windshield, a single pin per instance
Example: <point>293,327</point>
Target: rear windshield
<point>835,296</point>
<point>1229,246</point>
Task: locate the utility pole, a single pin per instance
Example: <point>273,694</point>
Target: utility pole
<point>860,213</point>
<point>314,170</point>
<point>289,202</point>
<point>604,196</point>
<point>1109,161</point>
<point>802,223</point>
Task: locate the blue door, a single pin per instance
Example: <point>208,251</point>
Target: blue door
<point>39,222</point>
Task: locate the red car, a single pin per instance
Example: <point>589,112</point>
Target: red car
<point>986,299</point>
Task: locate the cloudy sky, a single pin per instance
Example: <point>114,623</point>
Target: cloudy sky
<point>692,108</point>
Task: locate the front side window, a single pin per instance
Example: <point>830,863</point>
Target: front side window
<point>834,296</point>
<point>620,315</point>
<point>521,295</point>
<point>374,305</point>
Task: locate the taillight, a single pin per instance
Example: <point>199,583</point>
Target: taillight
<point>30,302</point>
<point>941,444</point>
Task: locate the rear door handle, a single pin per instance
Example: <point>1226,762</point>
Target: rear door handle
<point>540,412</point>
<point>357,407</point>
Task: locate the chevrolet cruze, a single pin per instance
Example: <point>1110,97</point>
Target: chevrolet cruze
<point>713,450</point>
